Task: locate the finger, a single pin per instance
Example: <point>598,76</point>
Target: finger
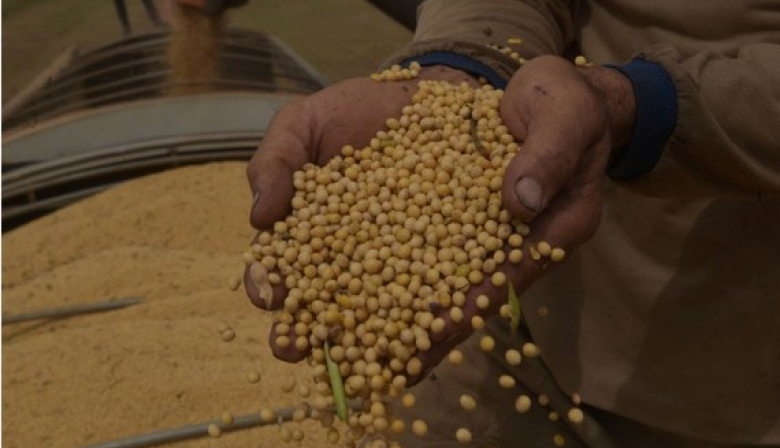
<point>259,289</point>
<point>541,168</point>
<point>571,219</point>
<point>261,292</point>
<point>557,122</point>
<point>285,149</point>
<point>455,322</point>
<point>283,346</point>
<point>429,359</point>
<point>456,325</point>
<point>573,216</point>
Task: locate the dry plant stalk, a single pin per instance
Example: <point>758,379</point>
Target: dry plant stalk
<point>193,50</point>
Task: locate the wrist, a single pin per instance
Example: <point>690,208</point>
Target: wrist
<point>617,94</point>
<point>449,74</point>
<point>656,113</point>
<point>472,66</point>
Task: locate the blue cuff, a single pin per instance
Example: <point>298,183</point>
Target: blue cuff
<point>462,62</point>
<point>656,118</point>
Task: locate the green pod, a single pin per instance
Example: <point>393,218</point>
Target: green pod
<point>337,384</point>
<point>514,307</point>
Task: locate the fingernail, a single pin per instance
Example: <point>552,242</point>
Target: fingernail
<point>259,277</point>
<point>529,193</point>
<point>255,200</point>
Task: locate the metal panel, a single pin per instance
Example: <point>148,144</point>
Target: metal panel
<point>103,117</point>
<point>40,188</point>
<point>137,68</point>
<point>140,121</point>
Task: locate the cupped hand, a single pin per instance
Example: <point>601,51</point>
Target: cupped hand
<point>314,130</point>
<point>568,121</point>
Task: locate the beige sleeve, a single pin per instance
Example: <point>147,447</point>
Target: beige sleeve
<point>469,26</point>
<point>727,139</point>
<point>726,142</point>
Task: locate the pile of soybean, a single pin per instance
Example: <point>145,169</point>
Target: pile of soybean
<point>382,247</point>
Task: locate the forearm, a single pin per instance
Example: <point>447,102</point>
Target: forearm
<point>470,27</point>
<point>703,125</point>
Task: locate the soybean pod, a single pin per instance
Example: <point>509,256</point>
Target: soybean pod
<point>514,306</point>
<point>337,384</point>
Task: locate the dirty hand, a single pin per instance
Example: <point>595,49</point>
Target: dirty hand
<point>559,113</point>
<point>568,121</point>
<point>314,130</point>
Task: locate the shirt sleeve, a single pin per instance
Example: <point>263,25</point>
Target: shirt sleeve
<point>708,124</point>
<point>726,141</point>
<point>473,28</point>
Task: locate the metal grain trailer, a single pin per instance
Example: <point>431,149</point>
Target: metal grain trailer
<point>98,118</point>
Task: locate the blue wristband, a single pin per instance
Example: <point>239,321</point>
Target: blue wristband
<point>462,62</point>
<point>656,118</point>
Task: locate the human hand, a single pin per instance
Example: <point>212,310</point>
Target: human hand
<point>568,219</point>
<point>569,120</point>
<point>314,130</point>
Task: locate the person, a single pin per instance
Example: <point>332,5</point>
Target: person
<point>660,164</point>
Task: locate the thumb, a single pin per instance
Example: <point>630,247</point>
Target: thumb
<point>542,167</point>
<point>285,149</point>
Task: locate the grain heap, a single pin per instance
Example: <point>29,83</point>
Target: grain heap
<point>383,245</point>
